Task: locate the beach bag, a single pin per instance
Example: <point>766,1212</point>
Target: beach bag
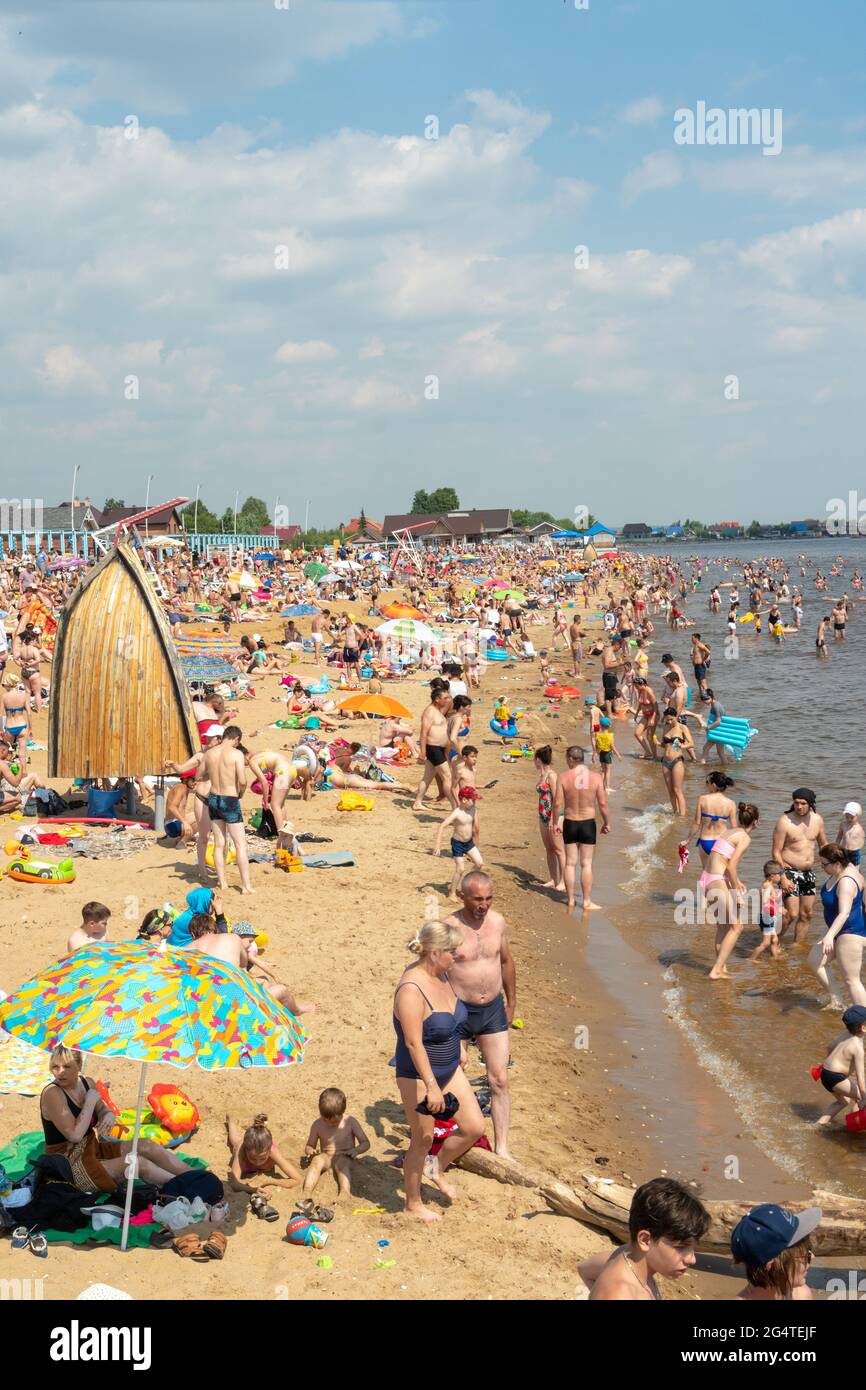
<point>199,1183</point>
<point>354,801</point>
<point>48,803</point>
<point>267,827</point>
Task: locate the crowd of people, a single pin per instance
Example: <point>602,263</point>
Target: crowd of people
<point>459,989</point>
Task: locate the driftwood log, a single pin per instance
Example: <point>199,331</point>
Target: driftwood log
<point>605,1204</point>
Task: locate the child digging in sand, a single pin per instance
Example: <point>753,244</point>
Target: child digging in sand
<point>255,1163</point>
<point>335,1140</point>
<point>843,1073</point>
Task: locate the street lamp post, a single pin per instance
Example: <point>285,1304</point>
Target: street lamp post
<point>72,505</point>
<point>237,495</point>
<point>195,517</point>
<point>307,517</point>
<point>147,504</point>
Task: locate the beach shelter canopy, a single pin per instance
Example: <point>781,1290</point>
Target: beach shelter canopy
<point>176,1007</point>
<point>119,702</point>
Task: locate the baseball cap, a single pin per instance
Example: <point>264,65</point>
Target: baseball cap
<point>767,1230</point>
<point>468,794</point>
<point>215,731</point>
<point>604,722</point>
<point>853,808</point>
<point>854,1016</point>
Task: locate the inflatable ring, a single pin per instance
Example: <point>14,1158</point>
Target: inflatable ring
<point>508,730</point>
<point>304,757</point>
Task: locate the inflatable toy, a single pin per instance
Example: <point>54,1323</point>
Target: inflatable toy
<point>355,801</point>
<point>230,856</point>
<point>300,1230</point>
<point>561,692</point>
<point>304,757</point>
<point>293,722</point>
<point>27,870</point>
<point>321,687</point>
<point>102,1088</point>
<point>93,820</point>
<point>173,1108</point>
<point>497,654</point>
<point>508,730</point>
<point>735,734</point>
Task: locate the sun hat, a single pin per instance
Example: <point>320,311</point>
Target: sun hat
<point>853,808</point>
<point>215,731</point>
<point>767,1230</point>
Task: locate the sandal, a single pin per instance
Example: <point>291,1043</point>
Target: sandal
<point>215,1245</point>
<point>262,1209</point>
<point>189,1247</point>
<point>313,1212</point>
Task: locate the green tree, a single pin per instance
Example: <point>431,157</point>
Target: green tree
<point>420,503</point>
<point>208,522</point>
<point>754,529</point>
<point>112,502</point>
<point>443,499</point>
<point>253,515</point>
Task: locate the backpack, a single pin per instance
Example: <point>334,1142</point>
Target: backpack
<point>199,1183</point>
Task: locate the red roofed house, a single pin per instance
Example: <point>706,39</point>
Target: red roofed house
<point>282,533</point>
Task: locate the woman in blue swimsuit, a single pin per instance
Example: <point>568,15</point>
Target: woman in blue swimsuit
<point>845,920</point>
<point>427,1017</point>
<point>715,814</point>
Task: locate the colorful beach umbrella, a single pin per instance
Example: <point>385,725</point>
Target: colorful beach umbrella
<point>315,569</point>
<point>408,630</point>
<point>400,610</point>
<point>115,999</point>
<point>385,705</point>
<point>510,593</point>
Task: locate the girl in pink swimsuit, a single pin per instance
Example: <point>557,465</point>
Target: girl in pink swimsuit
<point>720,883</point>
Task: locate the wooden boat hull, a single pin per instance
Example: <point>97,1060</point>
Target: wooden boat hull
<point>119,703</point>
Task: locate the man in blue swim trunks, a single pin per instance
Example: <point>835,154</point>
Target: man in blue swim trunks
<point>483,967</point>
<point>224,767</point>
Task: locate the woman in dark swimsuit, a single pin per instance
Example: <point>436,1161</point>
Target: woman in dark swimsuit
<point>675,741</point>
<point>427,1015</point>
<point>71,1110</point>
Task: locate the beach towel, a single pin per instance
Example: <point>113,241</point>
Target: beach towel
<point>18,1157</point>
<point>327,861</point>
<point>23,1069</point>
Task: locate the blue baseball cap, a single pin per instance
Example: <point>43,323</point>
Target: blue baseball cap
<point>767,1230</point>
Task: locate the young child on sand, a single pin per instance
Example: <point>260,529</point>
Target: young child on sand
<point>335,1140</point>
<point>256,1162</point>
<point>544,665</point>
<point>843,1073</point>
<point>94,927</point>
<point>603,744</point>
<point>463,837</point>
<point>775,884</point>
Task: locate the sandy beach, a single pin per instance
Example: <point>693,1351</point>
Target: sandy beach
<point>337,936</point>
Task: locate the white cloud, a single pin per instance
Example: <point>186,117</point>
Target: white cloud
<point>646,111</point>
<point>373,347</point>
<point>314,350</point>
<point>656,171</point>
<point>483,352</point>
<point>64,368</point>
<point>383,396</point>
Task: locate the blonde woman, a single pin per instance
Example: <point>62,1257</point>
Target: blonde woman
<point>427,1016</point>
<point>73,1113</point>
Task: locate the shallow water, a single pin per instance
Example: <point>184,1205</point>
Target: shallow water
<point>757,1034</point>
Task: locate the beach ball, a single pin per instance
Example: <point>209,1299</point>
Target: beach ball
<point>300,1230</point>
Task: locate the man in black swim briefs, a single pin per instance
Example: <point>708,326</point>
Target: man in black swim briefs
<point>433,741</point>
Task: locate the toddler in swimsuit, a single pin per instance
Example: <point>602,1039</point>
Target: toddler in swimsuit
<point>772,909</point>
<point>843,1073</point>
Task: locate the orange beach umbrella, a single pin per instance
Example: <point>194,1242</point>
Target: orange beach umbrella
<point>375,704</point>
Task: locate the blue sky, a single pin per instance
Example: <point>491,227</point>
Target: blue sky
<point>153,259</point>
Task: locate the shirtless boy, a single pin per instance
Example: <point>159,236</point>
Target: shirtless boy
<point>94,927</point>
<point>798,835</point>
<point>484,967</point>
<point>335,1141</point>
<point>665,1224</point>
<point>851,835</point>
<point>464,837</point>
<point>578,792</point>
<point>843,1073</point>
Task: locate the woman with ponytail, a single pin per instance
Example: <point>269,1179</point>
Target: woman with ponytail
<point>427,1016</point>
